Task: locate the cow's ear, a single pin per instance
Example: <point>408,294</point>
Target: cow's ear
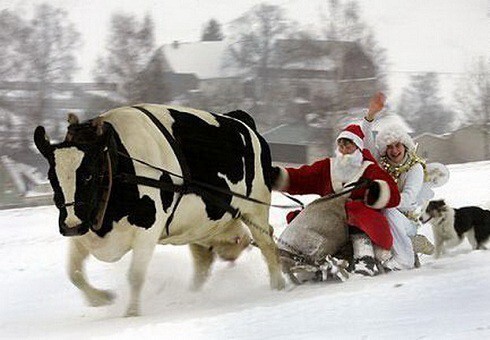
<point>42,141</point>
<point>98,124</point>
<point>72,119</point>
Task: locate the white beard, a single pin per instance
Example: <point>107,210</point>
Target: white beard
<point>345,167</point>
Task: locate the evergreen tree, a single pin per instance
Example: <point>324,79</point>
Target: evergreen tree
<point>212,31</point>
<point>422,107</point>
<point>151,85</point>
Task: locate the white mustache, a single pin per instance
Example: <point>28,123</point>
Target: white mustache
<point>348,159</point>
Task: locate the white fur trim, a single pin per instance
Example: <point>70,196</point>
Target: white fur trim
<point>353,137</point>
<point>282,181</point>
<point>362,246</point>
<point>393,134</point>
<point>384,195</point>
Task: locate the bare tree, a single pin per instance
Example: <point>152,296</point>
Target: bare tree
<point>473,95</point>
<point>343,22</point>
<point>12,30</point>
<point>473,99</point>
<point>253,46</point>
<point>48,50</point>
<point>131,47</point>
<point>51,45</point>
<point>255,34</point>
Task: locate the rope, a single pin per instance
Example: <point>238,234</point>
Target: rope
<point>207,186</point>
<point>298,253</point>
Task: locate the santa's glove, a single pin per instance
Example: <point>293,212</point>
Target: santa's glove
<point>373,192</point>
<point>279,178</point>
<point>377,194</point>
<point>361,183</point>
<point>275,172</point>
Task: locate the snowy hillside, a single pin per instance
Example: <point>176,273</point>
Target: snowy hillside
<point>447,298</point>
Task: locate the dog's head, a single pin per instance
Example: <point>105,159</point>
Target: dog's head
<point>434,209</point>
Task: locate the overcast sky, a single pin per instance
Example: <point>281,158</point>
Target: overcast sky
<point>419,35</point>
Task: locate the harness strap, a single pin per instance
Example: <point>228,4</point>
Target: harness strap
<point>150,182</point>
<point>105,196</point>
<point>178,153</point>
<point>203,185</point>
<point>178,188</point>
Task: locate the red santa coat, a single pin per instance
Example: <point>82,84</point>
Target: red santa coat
<point>362,212</point>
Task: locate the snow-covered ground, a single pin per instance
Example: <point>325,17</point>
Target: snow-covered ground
<point>447,298</point>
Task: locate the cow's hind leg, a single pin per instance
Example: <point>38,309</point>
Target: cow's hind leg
<point>203,259</point>
<point>77,256</point>
<point>262,235</point>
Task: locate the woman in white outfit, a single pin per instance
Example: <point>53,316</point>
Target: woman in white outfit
<point>396,153</point>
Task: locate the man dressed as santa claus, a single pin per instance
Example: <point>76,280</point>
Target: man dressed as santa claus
<point>368,228</point>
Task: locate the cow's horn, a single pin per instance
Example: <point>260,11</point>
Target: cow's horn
<point>98,123</point>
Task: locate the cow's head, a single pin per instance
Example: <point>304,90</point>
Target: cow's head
<point>76,175</point>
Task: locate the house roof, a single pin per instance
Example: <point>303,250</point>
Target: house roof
<point>205,59</point>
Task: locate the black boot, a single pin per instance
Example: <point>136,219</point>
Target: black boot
<point>364,262</point>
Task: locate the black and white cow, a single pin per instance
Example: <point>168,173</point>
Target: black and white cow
<point>105,178</point>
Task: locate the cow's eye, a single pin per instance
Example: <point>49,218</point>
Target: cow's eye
<point>88,178</point>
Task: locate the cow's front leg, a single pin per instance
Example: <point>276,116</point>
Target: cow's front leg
<point>77,256</point>
<point>263,238</point>
<point>137,272</point>
<point>203,258</point>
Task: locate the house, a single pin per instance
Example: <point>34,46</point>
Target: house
<point>467,144</point>
<point>305,143</point>
<point>313,83</point>
<point>321,70</point>
<point>201,68</point>
<point>289,144</point>
<point>307,74</point>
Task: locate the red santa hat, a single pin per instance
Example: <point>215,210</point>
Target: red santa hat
<point>393,134</point>
<point>354,133</point>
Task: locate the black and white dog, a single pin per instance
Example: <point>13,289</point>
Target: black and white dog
<point>450,225</point>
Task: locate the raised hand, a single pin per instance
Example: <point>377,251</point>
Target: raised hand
<point>376,104</point>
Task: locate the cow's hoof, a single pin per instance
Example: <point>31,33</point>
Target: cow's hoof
<point>197,286</point>
<point>278,283</point>
<point>101,298</point>
<point>132,312</point>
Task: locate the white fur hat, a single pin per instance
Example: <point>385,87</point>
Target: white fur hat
<point>393,134</point>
